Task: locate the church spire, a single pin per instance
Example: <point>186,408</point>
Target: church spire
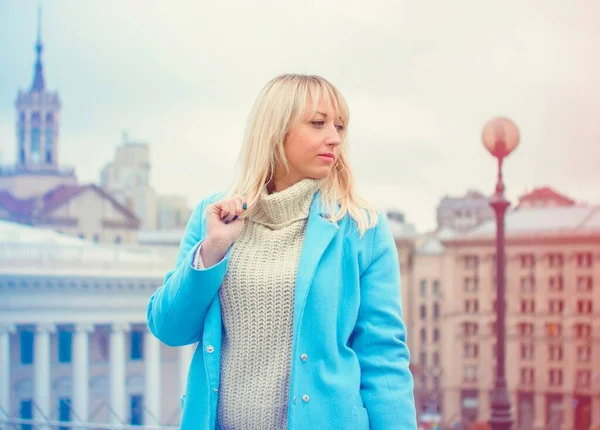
<point>38,84</point>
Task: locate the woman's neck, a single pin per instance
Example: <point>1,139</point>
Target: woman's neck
<point>281,182</point>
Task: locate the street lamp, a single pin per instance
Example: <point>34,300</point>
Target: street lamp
<point>500,137</point>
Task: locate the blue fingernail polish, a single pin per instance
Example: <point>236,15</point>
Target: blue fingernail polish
<point>227,222</point>
<point>234,218</point>
<point>245,206</point>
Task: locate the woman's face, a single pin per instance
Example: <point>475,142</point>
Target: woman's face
<point>312,145</point>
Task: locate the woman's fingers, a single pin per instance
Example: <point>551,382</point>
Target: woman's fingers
<point>232,209</point>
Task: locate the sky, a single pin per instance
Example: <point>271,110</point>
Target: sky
<point>421,78</point>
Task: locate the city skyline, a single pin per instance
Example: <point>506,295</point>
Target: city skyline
<point>167,76</point>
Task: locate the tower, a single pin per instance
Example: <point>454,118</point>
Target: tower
<point>36,169</point>
<point>38,118</point>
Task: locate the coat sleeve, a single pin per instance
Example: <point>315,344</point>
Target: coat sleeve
<point>177,309</point>
<point>380,339</point>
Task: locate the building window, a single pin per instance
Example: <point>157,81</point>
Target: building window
<point>423,312</point>
<point>436,311</point>
<point>470,373</point>
<point>423,287</point>
<point>556,260</point>
<point>584,284</point>
<point>555,377</point>
<point>36,151</point>
<point>584,307</point>
<point>471,261</point>
<point>527,306</point>
<point>554,330</point>
<point>26,346</point>
<point>436,288</point>
<point>137,345</point>
<point>436,359</point>
<point>470,329</point>
<point>583,331</point>
<point>527,260</point>
<point>556,306</point>
<point>471,350</point>
<point>49,139</point>
<point>65,340</point>
<point>527,351</point>
<point>436,335</point>
<point>584,353</point>
<point>436,383</point>
<point>64,411</point>
<point>472,306</point>
<point>527,375</point>
<point>137,410</point>
<point>526,329</point>
<point>584,259</point>
<point>423,335</point>
<point>556,283</point>
<point>423,359</point>
<point>584,377</point>
<point>555,352</point>
<point>527,284</point>
<point>26,413</point>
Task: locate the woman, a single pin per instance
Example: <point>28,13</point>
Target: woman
<point>290,284</point>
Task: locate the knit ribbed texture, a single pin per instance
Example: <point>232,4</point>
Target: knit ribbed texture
<point>257,304</point>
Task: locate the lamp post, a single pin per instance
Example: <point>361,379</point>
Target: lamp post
<point>500,137</point>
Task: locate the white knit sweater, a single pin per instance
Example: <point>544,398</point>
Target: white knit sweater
<point>257,303</point>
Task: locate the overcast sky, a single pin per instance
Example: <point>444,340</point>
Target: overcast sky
<point>421,78</point>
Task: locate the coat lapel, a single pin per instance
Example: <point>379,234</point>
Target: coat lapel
<point>319,233</point>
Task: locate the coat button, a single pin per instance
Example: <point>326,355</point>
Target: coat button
<point>210,349</point>
<point>304,357</point>
<point>305,398</point>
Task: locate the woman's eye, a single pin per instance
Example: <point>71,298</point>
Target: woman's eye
<point>318,123</point>
<point>339,127</point>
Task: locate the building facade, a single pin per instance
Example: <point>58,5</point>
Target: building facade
<point>127,178</point>
<point>552,321</point>
<point>74,344</point>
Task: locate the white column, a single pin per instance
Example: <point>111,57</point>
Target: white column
<point>81,372</point>
<point>117,373</point>
<point>5,391</point>
<point>185,358</point>
<point>152,388</point>
<point>41,365</point>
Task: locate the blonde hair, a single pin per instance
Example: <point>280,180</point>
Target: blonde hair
<point>280,103</point>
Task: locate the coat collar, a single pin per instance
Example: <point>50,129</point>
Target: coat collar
<point>319,234</point>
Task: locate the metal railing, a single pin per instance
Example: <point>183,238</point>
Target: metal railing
<point>16,423</point>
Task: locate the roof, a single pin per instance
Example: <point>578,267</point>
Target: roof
<point>570,220</point>
<point>545,194</point>
<point>26,249</point>
<point>37,207</point>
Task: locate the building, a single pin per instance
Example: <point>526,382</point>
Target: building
<point>552,321</point>
<point>37,190</point>
<point>127,178</point>
<point>173,212</point>
<point>74,344</point>
<point>463,213</point>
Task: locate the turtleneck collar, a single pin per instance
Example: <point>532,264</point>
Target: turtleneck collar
<point>280,209</point>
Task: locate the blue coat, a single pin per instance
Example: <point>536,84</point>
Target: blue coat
<point>347,320</point>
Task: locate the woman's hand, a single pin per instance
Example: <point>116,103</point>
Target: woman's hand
<point>224,225</point>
